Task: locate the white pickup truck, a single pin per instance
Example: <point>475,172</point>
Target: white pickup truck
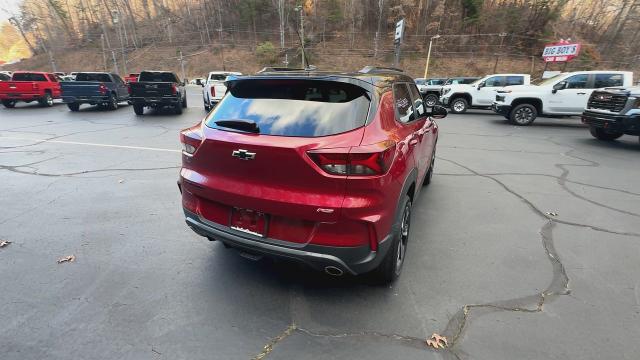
<point>213,89</point>
<point>480,93</point>
<point>565,94</point>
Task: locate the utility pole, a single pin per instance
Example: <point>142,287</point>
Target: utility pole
<point>426,66</point>
<point>304,58</point>
<point>182,65</point>
<point>116,23</point>
<point>397,40</point>
<point>115,62</point>
<point>104,55</point>
<point>52,61</point>
<point>495,65</point>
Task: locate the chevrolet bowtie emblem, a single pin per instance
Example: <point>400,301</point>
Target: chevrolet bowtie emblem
<point>243,154</point>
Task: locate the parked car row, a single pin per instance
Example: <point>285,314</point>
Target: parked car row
<point>611,111</point>
<point>153,89</point>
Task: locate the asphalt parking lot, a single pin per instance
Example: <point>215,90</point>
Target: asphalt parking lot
<point>525,246</point>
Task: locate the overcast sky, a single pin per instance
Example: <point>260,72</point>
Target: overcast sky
<point>8,7</point>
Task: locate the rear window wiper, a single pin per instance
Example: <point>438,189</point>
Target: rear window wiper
<point>242,125</point>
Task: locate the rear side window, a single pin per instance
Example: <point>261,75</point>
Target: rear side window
<point>93,77</point>
<point>152,76</point>
<point>494,81</point>
<point>608,80</point>
<point>468,81</point>
<point>418,105</point>
<point>577,81</point>
<point>218,77</point>
<point>514,80</point>
<point>403,103</point>
<point>306,108</point>
<point>420,81</point>
<point>28,77</point>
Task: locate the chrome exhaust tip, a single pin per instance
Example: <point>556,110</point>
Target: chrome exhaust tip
<point>333,271</point>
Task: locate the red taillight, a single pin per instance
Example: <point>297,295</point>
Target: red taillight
<point>213,91</point>
<point>103,89</point>
<point>174,89</point>
<point>191,139</point>
<point>368,160</point>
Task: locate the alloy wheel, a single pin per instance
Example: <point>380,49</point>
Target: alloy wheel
<point>458,106</point>
<point>404,237</point>
<point>524,115</point>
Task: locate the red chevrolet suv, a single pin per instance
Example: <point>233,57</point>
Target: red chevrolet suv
<point>319,167</point>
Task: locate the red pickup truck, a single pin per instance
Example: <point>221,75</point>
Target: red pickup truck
<point>133,77</point>
<point>30,86</point>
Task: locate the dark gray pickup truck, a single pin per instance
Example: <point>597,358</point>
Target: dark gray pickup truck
<point>158,89</point>
<point>613,112</point>
<point>95,88</point>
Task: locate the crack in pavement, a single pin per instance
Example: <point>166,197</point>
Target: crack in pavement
<point>538,211</point>
<point>16,169</point>
<point>544,175</point>
<point>268,348</point>
<point>565,173</point>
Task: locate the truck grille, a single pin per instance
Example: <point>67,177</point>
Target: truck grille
<point>607,101</point>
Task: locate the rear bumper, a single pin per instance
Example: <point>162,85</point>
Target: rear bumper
<point>353,260</point>
<point>504,110</point>
<point>21,96</point>
<point>628,124</point>
<point>155,101</point>
<point>85,99</point>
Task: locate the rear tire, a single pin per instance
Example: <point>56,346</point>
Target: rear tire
<point>113,102</point>
<point>600,134</point>
<point>429,175</point>
<point>391,266</point>
<point>459,105</point>
<point>46,100</point>
<point>9,104</point>
<point>431,100</point>
<point>138,109</point>
<point>177,108</point>
<point>73,106</point>
<point>523,114</point>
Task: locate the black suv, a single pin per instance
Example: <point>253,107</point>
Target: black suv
<point>613,112</point>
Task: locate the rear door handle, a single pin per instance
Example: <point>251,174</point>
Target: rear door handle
<point>582,93</point>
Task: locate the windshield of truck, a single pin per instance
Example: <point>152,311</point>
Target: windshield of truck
<point>157,77</point>
<point>549,81</point>
<point>293,107</point>
<point>93,77</point>
<point>28,77</point>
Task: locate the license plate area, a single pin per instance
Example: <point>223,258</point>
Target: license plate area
<point>249,221</point>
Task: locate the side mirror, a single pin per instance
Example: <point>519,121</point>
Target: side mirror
<point>438,112</point>
<point>481,85</point>
<point>559,86</point>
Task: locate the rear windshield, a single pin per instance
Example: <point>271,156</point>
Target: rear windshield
<point>28,77</point>
<point>93,77</point>
<point>306,108</point>
<point>218,77</point>
<point>158,77</point>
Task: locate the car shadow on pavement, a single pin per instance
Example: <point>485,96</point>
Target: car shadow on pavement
<point>624,143</point>
<point>569,123</point>
<point>96,108</point>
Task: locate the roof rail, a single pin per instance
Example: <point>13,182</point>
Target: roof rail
<point>379,69</point>
<point>285,69</point>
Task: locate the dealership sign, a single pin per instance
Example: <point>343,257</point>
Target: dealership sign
<point>560,52</point>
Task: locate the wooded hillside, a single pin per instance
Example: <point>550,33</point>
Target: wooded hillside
<point>337,33</point>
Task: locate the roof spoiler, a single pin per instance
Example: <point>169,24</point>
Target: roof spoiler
<point>379,69</point>
<point>286,69</point>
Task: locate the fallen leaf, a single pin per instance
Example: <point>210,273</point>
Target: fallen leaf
<point>551,214</point>
<point>437,341</point>
<point>4,243</point>
<point>70,258</point>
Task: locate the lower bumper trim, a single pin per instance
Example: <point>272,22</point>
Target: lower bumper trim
<point>353,260</point>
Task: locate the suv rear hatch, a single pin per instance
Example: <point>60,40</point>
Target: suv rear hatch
<point>258,152</point>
